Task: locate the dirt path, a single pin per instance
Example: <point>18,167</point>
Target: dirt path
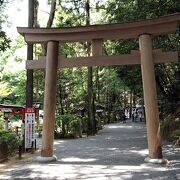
<point>117,152</point>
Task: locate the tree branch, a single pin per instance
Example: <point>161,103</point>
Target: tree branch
<point>52,14</point>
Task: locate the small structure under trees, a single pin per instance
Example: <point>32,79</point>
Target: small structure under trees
<point>146,57</point>
<point>28,121</point>
<point>11,110</point>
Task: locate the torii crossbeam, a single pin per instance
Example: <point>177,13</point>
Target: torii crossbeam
<point>144,30</point>
<point>125,59</point>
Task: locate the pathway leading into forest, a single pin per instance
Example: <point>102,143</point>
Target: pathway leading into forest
<point>117,152</point>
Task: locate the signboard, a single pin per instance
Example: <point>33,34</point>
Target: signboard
<point>6,109</point>
<point>29,126</point>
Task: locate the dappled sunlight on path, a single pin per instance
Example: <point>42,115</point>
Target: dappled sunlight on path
<point>117,152</point>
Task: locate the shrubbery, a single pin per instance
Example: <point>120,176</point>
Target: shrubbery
<point>68,126</point>
<point>11,140</point>
<point>1,125</point>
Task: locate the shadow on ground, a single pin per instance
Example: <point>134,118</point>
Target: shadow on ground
<point>117,152</point>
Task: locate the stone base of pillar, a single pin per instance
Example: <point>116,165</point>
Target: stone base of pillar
<point>46,159</point>
<point>155,161</point>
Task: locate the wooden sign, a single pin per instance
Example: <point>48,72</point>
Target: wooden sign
<point>29,127</point>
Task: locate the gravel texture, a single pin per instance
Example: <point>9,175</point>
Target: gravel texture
<point>117,152</point>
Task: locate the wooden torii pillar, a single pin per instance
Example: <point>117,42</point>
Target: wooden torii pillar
<point>96,33</point>
<point>150,97</point>
<point>50,101</point>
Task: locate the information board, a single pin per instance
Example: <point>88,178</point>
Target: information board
<point>29,127</point>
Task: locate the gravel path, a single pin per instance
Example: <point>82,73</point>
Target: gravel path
<point>117,152</point>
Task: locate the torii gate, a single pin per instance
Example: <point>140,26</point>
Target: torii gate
<point>144,30</point>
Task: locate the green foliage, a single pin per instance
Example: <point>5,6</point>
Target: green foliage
<point>170,128</point>
<point>1,125</point>
<point>131,77</point>
<point>66,119</point>
<point>68,123</point>
<point>74,126</point>
<point>38,84</point>
<point>112,85</point>
<point>176,134</point>
<point>12,141</point>
<point>130,10</point>
<point>4,40</point>
<point>4,91</point>
<point>170,124</point>
<point>71,13</point>
<point>71,89</point>
<point>167,77</point>
<point>12,91</point>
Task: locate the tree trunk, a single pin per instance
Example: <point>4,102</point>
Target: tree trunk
<point>97,85</point>
<point>50,22</point>
<point>29,81</point>
<point>51,14</point>
<point>131,105</point>
<point>91,109</point>
<point>60,97</point>
<point>125,98</point>
<point>91,113</point>
<point>108,103</point>
<point>36,8</point>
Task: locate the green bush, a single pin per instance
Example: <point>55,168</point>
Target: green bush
<point>11,139</point>
<point>84,124</point>
<point>63,119</point>
<point>1,125</point>
<point>176,134</point>
<point>69,125</point>
<point>75,126</point>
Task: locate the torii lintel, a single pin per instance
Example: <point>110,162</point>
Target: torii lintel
<point>126,59</point>
<point>159,26</point>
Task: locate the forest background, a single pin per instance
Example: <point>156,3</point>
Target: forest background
<point>82,93</point>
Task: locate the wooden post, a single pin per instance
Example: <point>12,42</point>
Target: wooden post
<point>20,151</point>
<point>50,99</point>
<point>37,117</point>
<point>6,124</point>
<point>150,97</point>
<point>97,47</point>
